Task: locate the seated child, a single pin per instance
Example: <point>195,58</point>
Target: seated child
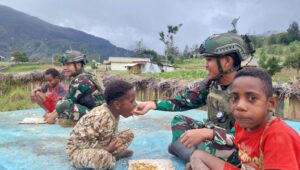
<point>95,141</point>
<point>264,142</point>
<point>47,95</point>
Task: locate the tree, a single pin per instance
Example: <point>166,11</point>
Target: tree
<point>234,22</point>
<point>140,47</point>
<point>272,39</point>
<point>270,64</point>
<point>293,32</point>
<point>186,52</point>
<point>293,61</point>
<point>20,56</point>
<point>168,40</point>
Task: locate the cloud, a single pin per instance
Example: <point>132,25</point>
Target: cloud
<point>125,22</point>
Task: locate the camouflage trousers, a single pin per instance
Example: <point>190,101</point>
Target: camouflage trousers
<point>217,148</point>
<point>69,110</point>
<point>97,158</point>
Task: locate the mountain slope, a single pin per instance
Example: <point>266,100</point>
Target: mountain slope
<point>19,31</point>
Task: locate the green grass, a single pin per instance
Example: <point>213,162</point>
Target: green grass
<point>29,67</point>
<point>16,99</point>
<point>187,74</point>
<point>193,63</point>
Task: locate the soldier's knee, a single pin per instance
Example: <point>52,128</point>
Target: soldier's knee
<point>62,105</point>
<point>176,119</point>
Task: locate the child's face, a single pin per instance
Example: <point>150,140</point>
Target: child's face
<point>51,80</point>
<point>249,103</point>
<point>127,103</point>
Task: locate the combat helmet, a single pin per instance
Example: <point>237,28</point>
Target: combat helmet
<point>237,46</point>
<point>73,57</point>
<point>223,44</point>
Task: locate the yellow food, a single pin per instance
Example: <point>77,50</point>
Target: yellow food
<point>143,166</point>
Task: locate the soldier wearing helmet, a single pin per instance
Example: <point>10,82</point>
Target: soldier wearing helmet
<point>84,94</point>
<point>223,54</point>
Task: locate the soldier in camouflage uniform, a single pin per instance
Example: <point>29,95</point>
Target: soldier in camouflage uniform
<point>84,93</point>
<point>95,141</point>
<point>223,54</point>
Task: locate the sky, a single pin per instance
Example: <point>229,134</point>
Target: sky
<point>125,22</point>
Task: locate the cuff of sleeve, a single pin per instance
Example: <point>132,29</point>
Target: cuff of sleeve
<point>219,136</point>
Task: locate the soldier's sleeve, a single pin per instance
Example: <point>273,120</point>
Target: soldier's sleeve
<point>222,137</point>
<point>189,100</point>
<point>82,86</point>
<point>62,91</point>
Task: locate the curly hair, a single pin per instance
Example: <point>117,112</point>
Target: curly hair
<point>116,89</point>
<point>52,71</point>
<point>258,73</point>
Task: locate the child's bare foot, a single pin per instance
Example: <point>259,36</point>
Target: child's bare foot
<point>124,154</point>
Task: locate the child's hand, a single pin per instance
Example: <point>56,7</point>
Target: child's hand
<point>144,107</point>
<point>195,136</point>
<point>112,146</point>
<point>51,117</point>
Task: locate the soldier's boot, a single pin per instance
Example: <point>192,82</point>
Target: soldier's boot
<point>176,148</point>
<point>63,122</point>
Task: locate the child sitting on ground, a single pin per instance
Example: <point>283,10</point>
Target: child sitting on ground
<point>95,141</point>
<point>47,95</point>
<point>264,142</point>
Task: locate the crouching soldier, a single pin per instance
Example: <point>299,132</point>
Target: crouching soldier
<point>84,93</point>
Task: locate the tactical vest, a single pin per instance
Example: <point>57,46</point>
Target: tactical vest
<point>94,99</point>
<point>219,113</point>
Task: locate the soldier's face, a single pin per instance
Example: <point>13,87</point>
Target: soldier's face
<point>127,103</point>
<point>70,69</point>
<point>249,102</point>
<point>212,67</point>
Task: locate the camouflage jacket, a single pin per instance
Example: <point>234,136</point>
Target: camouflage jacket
<point>195,98</point>
<point>93,130</point>
<point>85,90</point>
<point>191,99</point>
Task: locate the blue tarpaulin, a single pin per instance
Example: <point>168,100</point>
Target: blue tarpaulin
<point>42,146</point>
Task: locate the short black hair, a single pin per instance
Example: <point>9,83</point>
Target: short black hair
<point>52,71</point>
<point>116,88</point>
<point>236,60</point>
<point>258,73</point>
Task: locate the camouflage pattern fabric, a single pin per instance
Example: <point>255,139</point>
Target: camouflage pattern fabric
<point>84,94</point>
<point>94,131</point>
<point>217,101</point>
<point>221,146</point>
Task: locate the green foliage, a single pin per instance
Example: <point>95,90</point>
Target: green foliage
<point>293,32</point>
<point>186,74</point>
<point>171,52</point>
<point>16,98</point>
<point>270,64</point>
<point>20,56</point>
<point>293,61</point>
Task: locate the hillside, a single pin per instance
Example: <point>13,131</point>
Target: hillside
<point>19,31</point>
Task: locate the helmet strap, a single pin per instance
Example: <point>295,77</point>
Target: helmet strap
<point>222,72</point>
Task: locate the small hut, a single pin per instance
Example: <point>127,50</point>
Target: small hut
<point>291,92</point>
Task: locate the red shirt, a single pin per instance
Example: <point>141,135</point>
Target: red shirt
<point>280,147</point>
<point>53,94</point>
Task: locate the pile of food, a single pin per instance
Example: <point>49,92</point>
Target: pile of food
<point>151,164</point>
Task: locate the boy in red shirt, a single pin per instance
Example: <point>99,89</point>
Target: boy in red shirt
<point>264,142</point>
<point>47,95</point>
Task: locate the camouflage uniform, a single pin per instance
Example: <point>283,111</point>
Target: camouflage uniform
<point>94,131</point>
<point>84,94</point>
<point>216,97</point>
